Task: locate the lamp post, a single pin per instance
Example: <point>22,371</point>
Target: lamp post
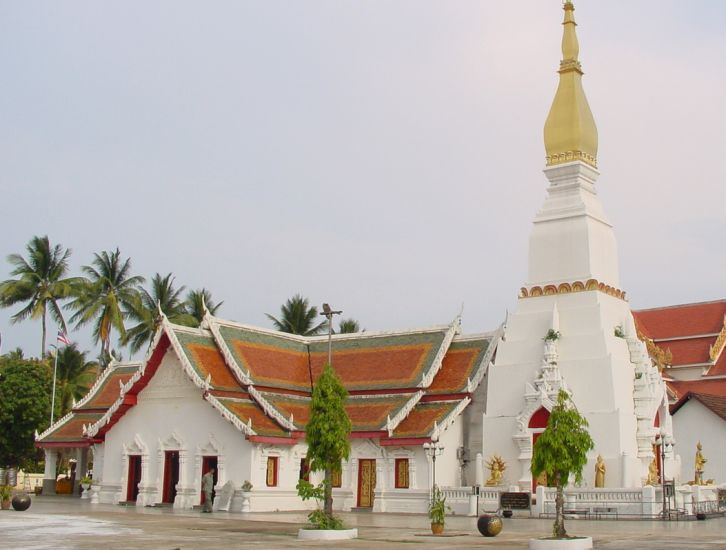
<point>328,314</point>
<point>663,440</point>
<point>432,450</point>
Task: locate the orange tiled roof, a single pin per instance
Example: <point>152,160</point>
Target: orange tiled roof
<point>106,393</point>
<point>688,352</point>
<point>704,385</point>
<point>206,359</point>
<point>71,430</point>
<point>461,363</point>
<point>420,421</point>
<point>682,320</point>
<point>716,404</point>
<point>246,410</point>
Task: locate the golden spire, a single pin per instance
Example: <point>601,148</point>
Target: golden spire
<point>570,133</point>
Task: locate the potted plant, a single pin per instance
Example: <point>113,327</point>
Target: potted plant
<point>86,482</point>
<point>561,452</point>
<point>552,335</point>
<point>5,492</point>
<point>437,511</point>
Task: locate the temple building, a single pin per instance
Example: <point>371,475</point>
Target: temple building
<point>236,398</point>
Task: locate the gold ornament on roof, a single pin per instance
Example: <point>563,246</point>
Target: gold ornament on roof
<point>660,357</point>
<point>570,133</point>
<point>496,467</point>
<point>717,347</point>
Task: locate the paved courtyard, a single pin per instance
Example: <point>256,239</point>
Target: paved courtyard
<point>68,523</point>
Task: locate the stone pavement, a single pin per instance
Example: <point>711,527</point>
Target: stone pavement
<point>69,523</point>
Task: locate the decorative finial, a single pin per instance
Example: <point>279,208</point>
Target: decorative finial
<point>570,132</point>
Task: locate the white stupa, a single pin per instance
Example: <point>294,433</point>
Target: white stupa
<point>574,292</point>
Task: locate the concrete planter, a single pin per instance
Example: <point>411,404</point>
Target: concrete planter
<point>327,534</point>
<point>579,543</point>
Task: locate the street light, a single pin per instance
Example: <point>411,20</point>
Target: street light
<point>328,314</point>
<point>663,440</point>
<point>432,450</point>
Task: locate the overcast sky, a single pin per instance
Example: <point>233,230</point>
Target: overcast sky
<point>384,156</point>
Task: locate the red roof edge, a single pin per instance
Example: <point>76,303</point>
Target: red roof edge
<point>272,439</point>
<point>405,441</point>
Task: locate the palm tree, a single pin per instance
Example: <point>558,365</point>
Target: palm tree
<point>349,326</point>
<point>74,377</point>
<point>298,317</point>
<point>144,309</point>
<point>40,283</point>
<point>197,300</point>
<point>101,297</point>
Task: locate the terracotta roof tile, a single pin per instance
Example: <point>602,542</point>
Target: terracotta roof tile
<point>71,431</point>
<point>682,320</point>
<point>371,413</point>
<point>460,363</point>
<point>686,352</point>
<point>705,385</point>
<point>108,388</point>
<point>246,410</point>
<point>206,359</point>
<point>420,421</point>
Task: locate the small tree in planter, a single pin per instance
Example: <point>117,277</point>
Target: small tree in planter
<point>326,434</point>
<point>561,451</point>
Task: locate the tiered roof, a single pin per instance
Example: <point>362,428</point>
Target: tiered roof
<point>405,387</point>
<point>69,430</point>
<point>695,336</point>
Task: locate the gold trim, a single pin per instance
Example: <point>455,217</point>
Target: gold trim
<point>715,350</point>
<point>568,288</point>
<point>661,358</point>
<point>571,156</point>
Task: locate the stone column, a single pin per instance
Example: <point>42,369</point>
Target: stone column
<point>49,476</point>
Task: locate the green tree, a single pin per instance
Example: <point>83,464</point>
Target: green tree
<point>196,301</point>
<point>561,452</point>
<point>74,377</point>
<point>25,386</point>
<point>327,434</point>
<point>103,295</point>
<point>348,326</point>
<point>144,307</point>
<point>298,317</point>
<point>41,284</point>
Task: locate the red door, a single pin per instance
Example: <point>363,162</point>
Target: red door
<point>171,476</point>
<point>134,477</point>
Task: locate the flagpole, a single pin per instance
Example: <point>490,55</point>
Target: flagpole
<point>55,369</point>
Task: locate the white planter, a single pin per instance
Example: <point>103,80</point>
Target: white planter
<point>246,501</point>
<point>579,543</point>
<point>85,494</point>
<point>328,534</point>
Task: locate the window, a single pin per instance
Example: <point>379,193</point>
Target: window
<point>401,473</point>
<point>304,469</point>
<point>337,478</point>
<point>271,471</point>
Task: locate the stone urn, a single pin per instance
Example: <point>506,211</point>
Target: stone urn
<point>21,502</point>
<point>246,496</point>
<point>489,525</point>
<point>86,494</point>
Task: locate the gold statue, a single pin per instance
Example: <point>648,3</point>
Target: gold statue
<point>496,467</point>
<point>600,472</point>
<point>652,473</point>
<point>700,462</point>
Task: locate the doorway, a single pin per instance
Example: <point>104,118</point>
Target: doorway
<point>208,462</point>
<point>366,482</point>
<point>134,478</point>
<point>171,476</point>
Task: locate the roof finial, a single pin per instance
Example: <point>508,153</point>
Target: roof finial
<point>570,132</point>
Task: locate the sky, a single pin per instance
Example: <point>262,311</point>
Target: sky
<point>383,156</point>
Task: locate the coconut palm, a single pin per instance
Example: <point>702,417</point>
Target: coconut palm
<point>144,309</point>
<point>349,326</point>
<point>298,317</point>
<point>197,300</point>
<point>74,377</point>
<point>103,295</point>
<point>41,284</point>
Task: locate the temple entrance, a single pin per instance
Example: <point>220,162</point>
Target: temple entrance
<point>171,476</point>
<point>366,482</point>
<point>208,462</point>
<point>537,425</point>
<point>134,478</point>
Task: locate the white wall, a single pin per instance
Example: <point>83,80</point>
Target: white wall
<point>693,423</point>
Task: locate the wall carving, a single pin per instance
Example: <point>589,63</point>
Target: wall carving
<point>568,288</point>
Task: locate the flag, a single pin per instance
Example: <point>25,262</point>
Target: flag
<point>63,339</point>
